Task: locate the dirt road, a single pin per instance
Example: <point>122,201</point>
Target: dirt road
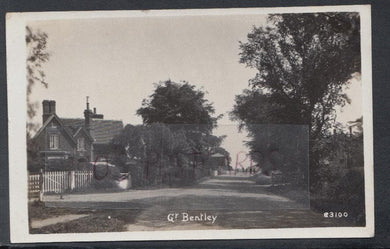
<point>235,201</point>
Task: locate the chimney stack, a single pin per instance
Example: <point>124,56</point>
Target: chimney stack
<point>89,115</point>
<point>48,109</point>
<point>52,107</point>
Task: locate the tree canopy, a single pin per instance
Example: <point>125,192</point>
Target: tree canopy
<point>178,103</point>
<point>176,135</point>
<point>37,55</point>
<point>303,61</point>
<point>183,108</point>
<point>143,142</point>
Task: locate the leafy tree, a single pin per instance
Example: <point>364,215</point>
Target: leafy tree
<point>303,63</point>
<point>176,134</point>
<point>340,178</point>
<point>178,103</point>
<point>37,55</point>
<point>137,142</point>
<point>255,107</point>
<point>154,147</point>
<point>182,107</point>
<point>213,143</point>
<point>281,147</point>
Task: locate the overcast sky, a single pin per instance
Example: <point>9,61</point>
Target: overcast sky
<point>115,61</point>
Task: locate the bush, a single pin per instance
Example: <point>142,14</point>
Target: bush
<point>105,177</point>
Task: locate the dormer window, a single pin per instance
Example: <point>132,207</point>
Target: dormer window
<point>54,141</point>
<point>80,144</point>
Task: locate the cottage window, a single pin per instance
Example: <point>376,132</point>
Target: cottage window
<point>80,144</point>
<point>54,141</point>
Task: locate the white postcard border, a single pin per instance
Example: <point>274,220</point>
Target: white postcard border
<point>16,83</point>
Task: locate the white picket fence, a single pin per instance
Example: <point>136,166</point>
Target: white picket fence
<point>34,185</point>
<point>58,181</point>
<point>82,179</point>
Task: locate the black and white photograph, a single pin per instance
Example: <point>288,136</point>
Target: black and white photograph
<point>190,124</point>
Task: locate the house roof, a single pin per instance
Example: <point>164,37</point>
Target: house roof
<point>103,131</point>
<point>217,155</point>
<point>54,116</point>
<point>83,130</point>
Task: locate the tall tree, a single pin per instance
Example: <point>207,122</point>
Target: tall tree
<point>303,61</point>
<point>177,103</point>
<point>182,107</point>
<point>37,55</point>
<point>141,141</point>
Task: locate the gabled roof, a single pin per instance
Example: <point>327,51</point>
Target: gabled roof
<point>54,116</point>
<point>82,130</point>
<point>103,131</point>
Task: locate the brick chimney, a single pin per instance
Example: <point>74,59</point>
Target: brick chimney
<point>52,107</point>
<point>89,115</point>
<point>48,109</point>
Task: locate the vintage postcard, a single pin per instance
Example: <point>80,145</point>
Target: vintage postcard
<point>190,124</point>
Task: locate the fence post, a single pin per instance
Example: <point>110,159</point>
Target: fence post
<point>41,189</point>
<point>129,183</point>
<point>72,180</point>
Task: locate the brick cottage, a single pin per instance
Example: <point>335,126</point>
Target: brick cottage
<point>65,142</point>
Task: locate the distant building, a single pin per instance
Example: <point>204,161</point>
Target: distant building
<point>62,142</point>
<point>217,161</point>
